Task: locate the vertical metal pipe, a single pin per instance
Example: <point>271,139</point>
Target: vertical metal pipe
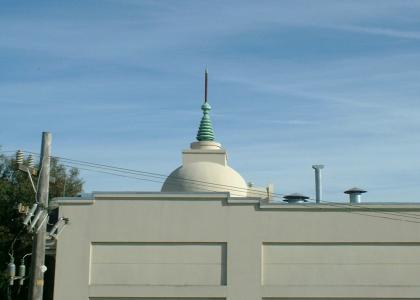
<point>318,182</point>
<point>355,198</point>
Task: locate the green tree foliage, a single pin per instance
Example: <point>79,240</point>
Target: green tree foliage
<point>15,188</point>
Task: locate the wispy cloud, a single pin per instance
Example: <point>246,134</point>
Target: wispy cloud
<point>389,32</point>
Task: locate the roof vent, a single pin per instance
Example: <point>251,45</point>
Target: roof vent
<point>355,194</point>
<point>295,198</point>
<point>318,182</point>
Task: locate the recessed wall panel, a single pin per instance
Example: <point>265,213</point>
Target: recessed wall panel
<point>382,265</point>
<point>158,264</point>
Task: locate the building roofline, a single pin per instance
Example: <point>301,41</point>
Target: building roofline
<point>263,204</point>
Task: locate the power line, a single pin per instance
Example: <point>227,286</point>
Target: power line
<point>362,207</point>
<point>144,173</point>
<point>156,175</point>
<point>275,195</point>
<point>208,185</point>
<point>334,204</point>
<point>134,177</point>
<point>8,151</point>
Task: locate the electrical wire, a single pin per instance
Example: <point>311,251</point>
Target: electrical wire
<point>205,185</point>
<point>196,183</point>
<point>139,178</point>
<point>37,183</point>
<point>361,212</point>
<point>275,195</point>
<point>339,205</point>
<point>199,182</point>
<point>12,245</point>
<point>9,292</point>
<point>362,207</point>
<point>161,181</point>
<point>8,151</point>
<point>155,175</point>
<point>333,204</point>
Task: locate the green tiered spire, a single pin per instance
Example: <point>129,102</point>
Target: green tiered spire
<point>205,132</point>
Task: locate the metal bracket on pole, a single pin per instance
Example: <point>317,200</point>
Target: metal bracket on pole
<point>32,182</point>
<point>31,172</point>
<point>58,228</point>
<point>24,168</point>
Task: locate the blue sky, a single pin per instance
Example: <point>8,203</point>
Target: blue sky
<point>292,83</point>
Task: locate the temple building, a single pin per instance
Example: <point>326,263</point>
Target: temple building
<point>208,235</point>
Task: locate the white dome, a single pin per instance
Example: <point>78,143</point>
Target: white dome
<point>206,177</point>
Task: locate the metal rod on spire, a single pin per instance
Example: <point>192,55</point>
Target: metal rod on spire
<point>205,85</point>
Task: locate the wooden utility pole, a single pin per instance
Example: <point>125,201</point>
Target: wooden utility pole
<point>36,283</point>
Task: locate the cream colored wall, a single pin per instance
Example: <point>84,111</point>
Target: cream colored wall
<point>235,249</point>
<point>158,263</point>
<point>213,156</point>
<point>341,264</point>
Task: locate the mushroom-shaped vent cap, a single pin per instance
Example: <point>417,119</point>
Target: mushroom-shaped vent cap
<point>355,190</point>
<point>295,197</point>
